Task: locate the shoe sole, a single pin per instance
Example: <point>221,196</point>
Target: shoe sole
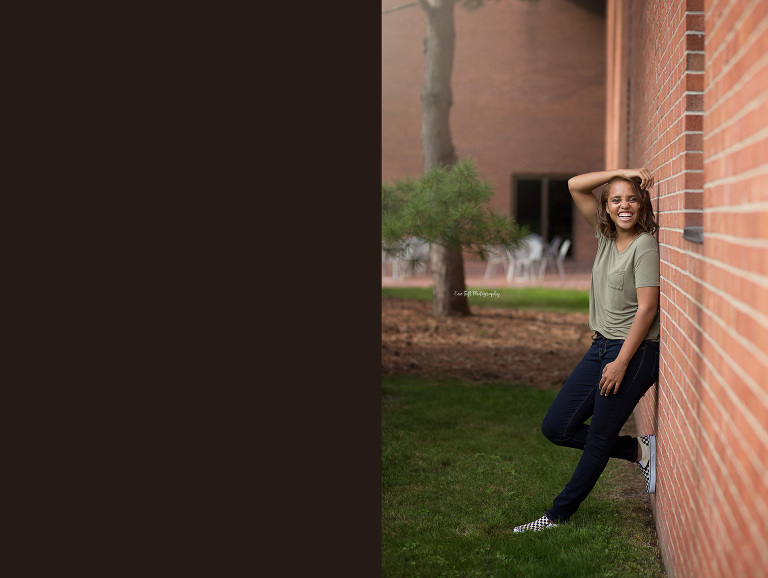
<point>652,459</point>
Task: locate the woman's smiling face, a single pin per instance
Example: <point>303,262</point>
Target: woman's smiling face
<point>623,206</point>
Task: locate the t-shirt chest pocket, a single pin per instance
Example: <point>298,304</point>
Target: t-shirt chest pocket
<point>616,280</point>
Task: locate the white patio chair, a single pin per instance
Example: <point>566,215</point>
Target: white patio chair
<point>550,254</point>
<point>526,258</point>
<point>413,259</point>
<point>418,255</point>
<point>496,255</point>
<point>386,262</point>
<point>561,257</point>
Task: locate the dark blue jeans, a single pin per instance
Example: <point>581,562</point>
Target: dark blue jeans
<point>579,399</point>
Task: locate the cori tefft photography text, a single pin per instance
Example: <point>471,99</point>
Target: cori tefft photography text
<point>474,293</point>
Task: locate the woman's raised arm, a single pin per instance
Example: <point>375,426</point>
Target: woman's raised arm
<point>581,188</point>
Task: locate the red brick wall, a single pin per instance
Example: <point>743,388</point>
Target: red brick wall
<point>528,90</point>
<point>696,116</point>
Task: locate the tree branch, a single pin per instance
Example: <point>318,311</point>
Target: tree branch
<point>400,7</point>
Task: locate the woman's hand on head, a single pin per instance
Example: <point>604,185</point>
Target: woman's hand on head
<point>643,176</point>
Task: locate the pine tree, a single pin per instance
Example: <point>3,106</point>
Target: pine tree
<point>446,207</point>
<point>437,144</point>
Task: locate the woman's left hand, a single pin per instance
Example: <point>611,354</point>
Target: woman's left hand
<point>613,373</point>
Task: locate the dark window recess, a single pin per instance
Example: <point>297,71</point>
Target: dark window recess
<point>560,210</point>
<point>529,205</point>
<point>545,205</point>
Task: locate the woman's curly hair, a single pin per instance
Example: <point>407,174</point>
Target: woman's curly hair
<point>646,221</point>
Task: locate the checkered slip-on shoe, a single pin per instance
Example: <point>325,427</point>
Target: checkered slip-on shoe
<point>540,524</point>
<point>649,469</point>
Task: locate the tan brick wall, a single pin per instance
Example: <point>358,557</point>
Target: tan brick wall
<point>697,102</point>
<point>528,90</point>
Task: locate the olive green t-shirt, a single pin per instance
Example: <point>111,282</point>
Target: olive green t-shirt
<point>615,279</point>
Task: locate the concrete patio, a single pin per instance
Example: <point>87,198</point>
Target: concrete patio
<point>576,277</point>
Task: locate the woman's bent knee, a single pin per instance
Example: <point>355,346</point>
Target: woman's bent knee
<point>552,432</point>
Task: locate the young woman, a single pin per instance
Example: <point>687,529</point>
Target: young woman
<point>623,360</point>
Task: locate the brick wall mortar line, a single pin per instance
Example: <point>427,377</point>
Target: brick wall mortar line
<point>743,308</point>
<point>746,275</point>
<point>739,145</point>
<point>677,138</point>
<point>743,475</point>
<point>681,22</point>
<point>676,191</point>
<point>746,12</point>
<point>732,179</point>
<point>677,412</point>
<point>674,104</point>
<point>744,208</point>
<point>717,492</point>
<point>673,158</point>
<point>758,392</point>
<point>689,410</point>
<point>677,483</point>
<point>670,109</point>
<point>689,426</point>
<point>749,347</point>
<point>653,129</point>
<point>719,22</point>
<point>673,66</point>
<point>680,173</point>
<point>743,241</point>
<point>754,69</point>
<point>764,558</point>
<point>646,152</point>
<point>660,57</point>
<point>759,429</point>
<point>686,378</point>
<point>680,230</point>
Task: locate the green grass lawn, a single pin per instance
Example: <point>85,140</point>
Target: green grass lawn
<point>543,299</point>
<point>462,464</point>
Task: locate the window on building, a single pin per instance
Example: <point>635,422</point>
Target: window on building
<point>544,204</point>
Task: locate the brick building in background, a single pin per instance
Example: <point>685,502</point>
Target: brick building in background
<point>528,104</point>
<point>688,99</point>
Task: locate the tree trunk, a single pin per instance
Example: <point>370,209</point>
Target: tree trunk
<point>436,95</point>
<point>437,145</point>
<point>448,298</point>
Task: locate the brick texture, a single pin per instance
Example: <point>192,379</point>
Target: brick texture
<point>688,85</point>
<point>528,94</point>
